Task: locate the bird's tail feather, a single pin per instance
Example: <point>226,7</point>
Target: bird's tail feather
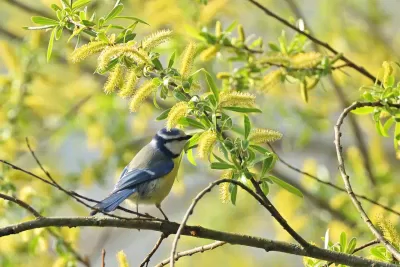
<point>111,202</point>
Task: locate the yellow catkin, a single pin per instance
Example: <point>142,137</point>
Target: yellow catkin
<point>387,71</point>
<point>264,136</point>
<point>187,60</point>
<point>218,28</point>
<point>156,39</point>
<point>306,60</point>
<point>278,58</point>
<point>122,260</point>
<point>141,94</point>
<point>224,187</point>
<point>272,78</point>
<point>114,78</point>
<point>179,110</point>
<point>241,34</point>
<point>206,144</point>
<point>131,80</point>
<point>139,56</point>
<point>209,53</point>
<point>389,231</point>
<point>234,98</point>
<point>86,50</point>
<point>223,75</point>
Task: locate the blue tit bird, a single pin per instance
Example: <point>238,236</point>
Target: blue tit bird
<point>149,177</point>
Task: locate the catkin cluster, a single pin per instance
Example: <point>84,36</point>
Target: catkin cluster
<point>259,136</point>
<point>179,110</point>
<point>234,98</point>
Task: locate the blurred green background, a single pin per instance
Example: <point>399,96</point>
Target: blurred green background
<point>85,137</point>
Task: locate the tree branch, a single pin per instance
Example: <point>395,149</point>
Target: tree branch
<point>194,231</point>
<point>193,251</point>
<point>350,63</point>
<point>330,184</point>
<point>146,260</point>
<point>346,178</point>
<point>358,136</point>
<point>262,199</point>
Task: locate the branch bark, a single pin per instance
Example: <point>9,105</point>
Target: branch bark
<point>194,231</point>
<point>346,178</point>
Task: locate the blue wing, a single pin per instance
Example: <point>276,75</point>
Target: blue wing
<point>129,181</point>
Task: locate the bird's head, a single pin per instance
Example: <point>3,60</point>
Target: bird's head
<point>170,142</point>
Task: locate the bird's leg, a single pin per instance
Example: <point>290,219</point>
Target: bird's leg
<point>159,207</point>
<point>137,209</point>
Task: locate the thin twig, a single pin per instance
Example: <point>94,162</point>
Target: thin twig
<point>350,63</point>
<point>72,193</point>
<point>193,251</point>
<point>59,187</point>
<point>265,203</point>
<point>344,102</point>
<point>22,204</point>
<point>330,184</point>
<point>146,260</point>
<point>37,215</point>
<point>346,178</point>
<point>195,231</point>
<point>103,258</point>
<point>370,243</point>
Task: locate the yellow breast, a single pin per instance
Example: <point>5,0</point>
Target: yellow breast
<point>162,187</point>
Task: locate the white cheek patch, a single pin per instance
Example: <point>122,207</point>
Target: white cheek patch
<point>175,146</point>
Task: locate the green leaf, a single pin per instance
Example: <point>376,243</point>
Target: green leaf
<point>377,253</point>
<point>88,23</point>
<point>44,21</point>
<point>55,7</point>
<point>212,85</point>
<point>51,42</point>
<point>39,27</point>
<point>290,188</point>
<point>157,64</point>
<point>171,60</point>
<point>191,122</point>
<point>243,109</point>
<point>363,110</point>
<point>221,166</point>
<point>233,192</point>
<point>132,18</point>
<point>265,188</point>
<point>343,242</point>
<point>268,164</point>
<point>80,3</point>
<point>247,126</point>
<point>274,47</point>
<point>388,124</point>
<point>163,115</point>
<point>190,157</point>
<point>351,246</point>
<point>114,12</point>
<point>219,159</point>
<point>65,3</point>
<point>231,27</point>
<point>192,141</point>
<point>380,129</point>
<point>260,149</point>
<point>326,239</point>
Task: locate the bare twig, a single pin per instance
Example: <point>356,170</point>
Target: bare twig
<point>370,243</point>
<point>37,215</point>
<point>363,197</point>
<point>103,258</point>
<point>195,231</point>
<point>350,63</point>
<point>193,251</point>
<point>22,204</point>
<point>72,193</point>
<point>358,136</point>
<point>59,187</point>
<point>265,203</point>
<point>346,178</point>
<point>146,260</point>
